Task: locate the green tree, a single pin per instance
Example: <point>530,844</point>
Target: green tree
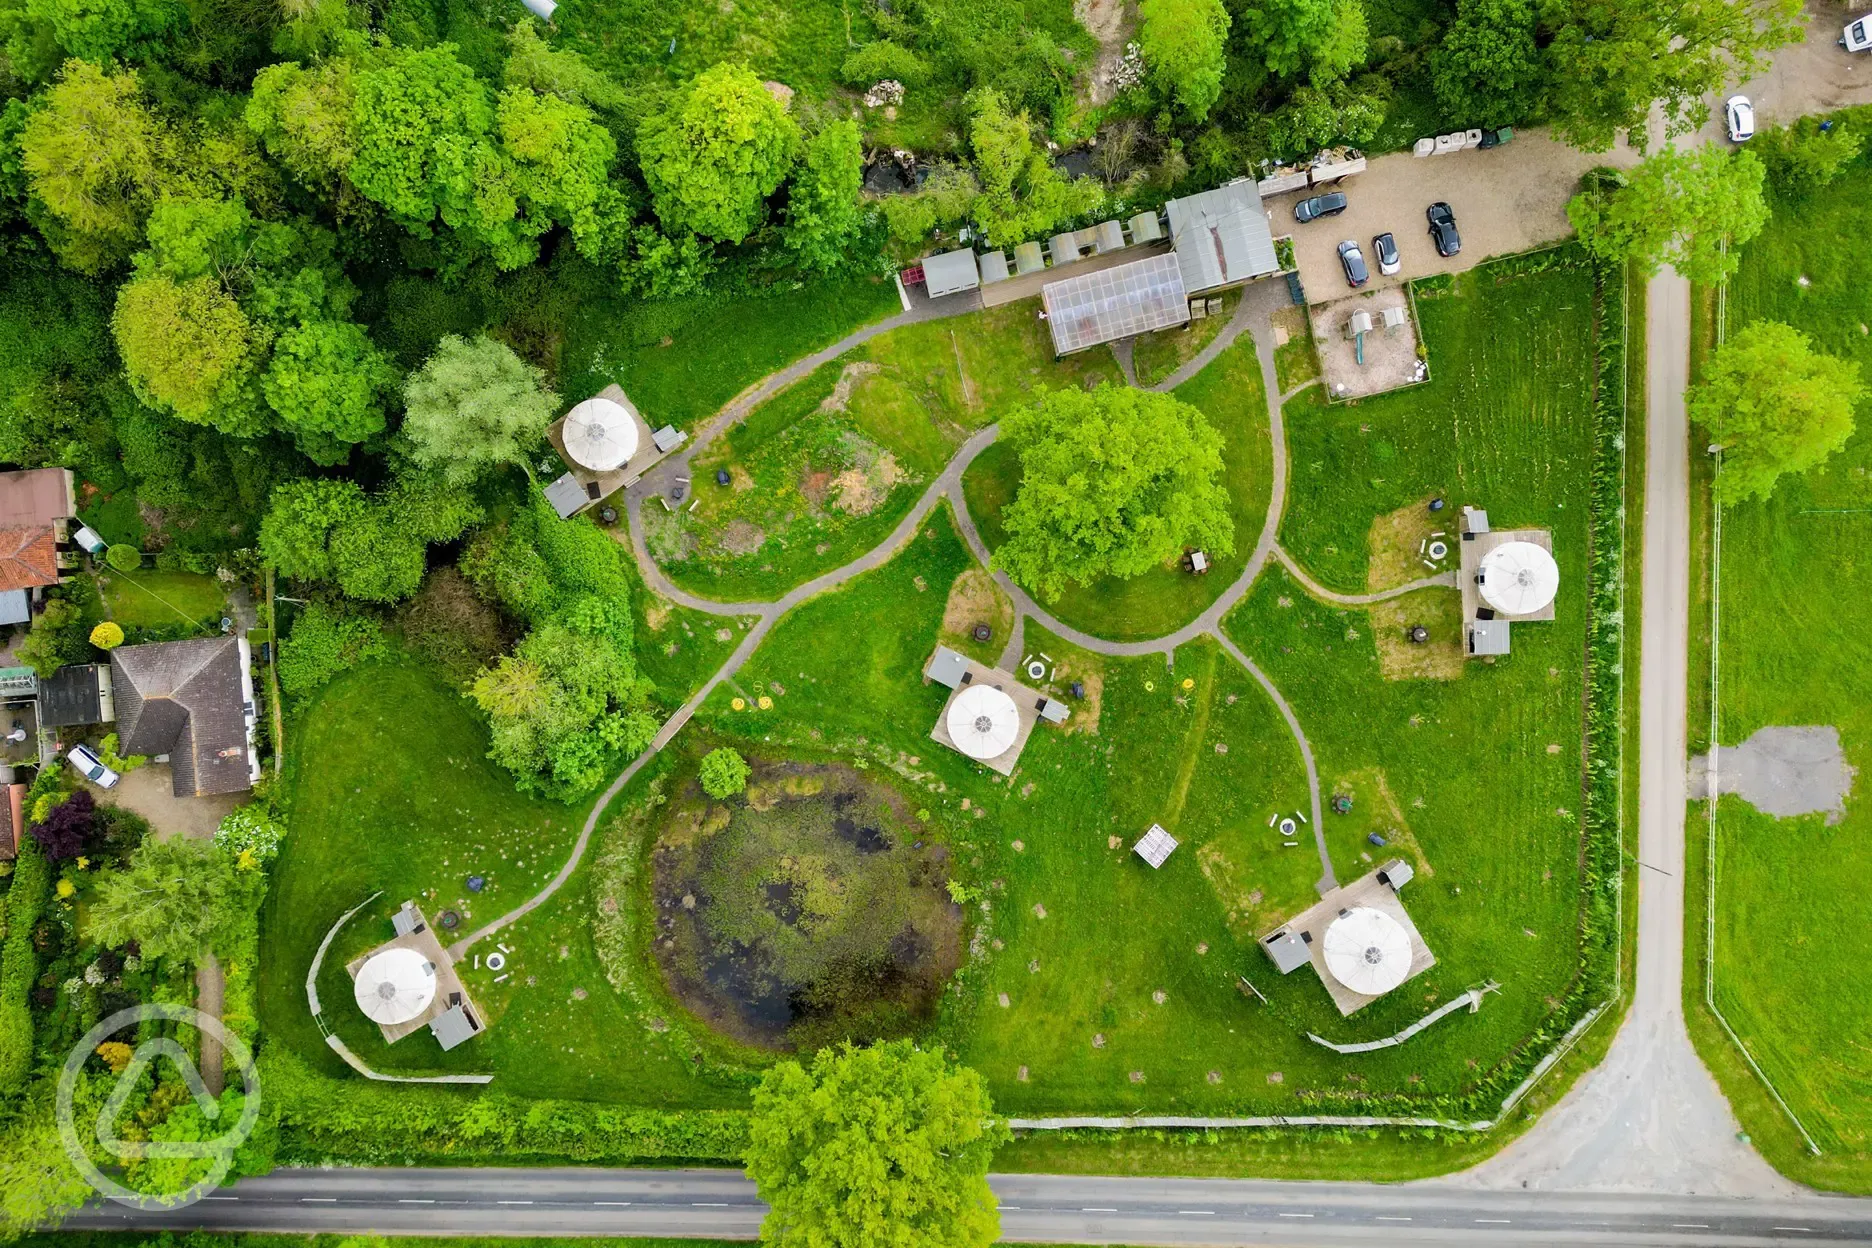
<point>1608,65</point>
<point>724,773</point>
<point>90,155</point>
<point>1285,33</point>
<point>822,213</point>
<point>1775,406</point>
<point>474,405</point>
<point>1345,44</point>
<point>1691,210</point>
<point>171,898</point>
<point>302,516</point>
<point>1114,482</point>
<point>189,349</point>
<point>327,383</point>
<point>1183,43</point>
<point>99,30</point>
<point>38,1185</point>
<point>1021,194</point>
<point>1315,116</point>
<point>714,155</point>
<point>885,1145</point>
<point>560,160</point>
<point>1488,68</point>
<point>303,118</point>
<point>538,66</point>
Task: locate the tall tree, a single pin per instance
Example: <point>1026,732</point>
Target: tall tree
<point>1021,193</point>
<point>1775,406</point>
<point>1285,33</point>
<point>327,382</point>
<point>1114,482</point>
<point>171,898</point>
<point>90,155</point>
<point>1608,65</point>
<point>885,1145</point>
<point>715,154</point>
<point>1691,210</point>
<point>188,348</point>
<point>822,213</point>
<point>474,405</point>
<point>303,118</point>
<point>1488,68</point>
<point>1183,43</point>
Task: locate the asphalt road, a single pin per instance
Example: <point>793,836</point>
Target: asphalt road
<point>1034,1209</point>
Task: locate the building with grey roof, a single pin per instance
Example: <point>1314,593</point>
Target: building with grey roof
<point>192,701</point>
<point>950,273</point>
<point>1222,237</point>
<point>1115,303</point>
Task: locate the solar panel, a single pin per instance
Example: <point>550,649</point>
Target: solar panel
<point>1115,303</point>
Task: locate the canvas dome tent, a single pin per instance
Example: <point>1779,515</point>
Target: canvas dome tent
<point>1518,578</point>
<point>1368,951</point>
<point>983,722</point>
<point>600,434</point>
<point>395,986</point>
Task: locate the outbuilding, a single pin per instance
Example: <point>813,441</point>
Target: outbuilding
<point>950,273</point>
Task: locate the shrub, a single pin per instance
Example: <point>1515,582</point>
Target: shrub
<point>68,828</point>
<point>883,59</point>
<point>250,830</point>
<point>724,773</point>
<point>108,635</point>
<point>326,641</point>
<point>123,557</point>
<point>122,763</point>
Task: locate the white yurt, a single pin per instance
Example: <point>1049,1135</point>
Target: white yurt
<point>395,986</point>
<point>1518,578</point>
<point>983,722</point>
<point>1368,951</point>
<point>599,434</point>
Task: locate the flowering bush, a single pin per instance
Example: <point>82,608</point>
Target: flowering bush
<point>249,835</point>
<point>107,635</point>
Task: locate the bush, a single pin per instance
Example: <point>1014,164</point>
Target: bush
<point>250,829</point>
<point>108,635</point>
<point>326,641</point>
<point>880,60</point>
<point>724,773</point>
<point>124,558</point>
<point>68,828</point>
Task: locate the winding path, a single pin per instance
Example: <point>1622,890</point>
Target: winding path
<point>1252,315</point>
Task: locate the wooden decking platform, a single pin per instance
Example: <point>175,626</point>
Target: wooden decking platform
<point>609,483</point>
<point>449,990</point>
<point>1471,552</point>
<point>1026,702</point>
<point>1364,891</point>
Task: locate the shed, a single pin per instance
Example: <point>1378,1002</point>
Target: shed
<point>1488,637</point>
<point>1474,522</point>
<point>1396,874</point>
<point>1109,236</point>
<point>454,1025</point>
<point>89,540</point>
<point>1053,710</point>
<point>1287,951</point>
<point>1222,237</point>
<point>950,273</point>
<point>1145,228</point>
<point>1028,258</point>
<point>567,496</point>
<point>79,694</point>
<point>667,439</point>
<point>946,667</point>
<point>407,920</point>
<point>1359,323</point>
<point>1118,302</point>
<point>1156,846</point>
<point>993,266</point>
<point>1063,248</point>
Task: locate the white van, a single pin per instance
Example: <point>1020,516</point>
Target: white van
<point>1858,36</point>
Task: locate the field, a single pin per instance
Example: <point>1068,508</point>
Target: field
<point>1785,967</point>
<point>825,469</point>
<point>1229,391</point>
<point>1157,355</point>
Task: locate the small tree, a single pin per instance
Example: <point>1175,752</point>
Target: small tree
<point>68,829</point>
<point>822,215</point>
<point>1113,483</point>
<point>171,898</point>
<point>886,1145</point>
<point>1775,406</point>
<point>473,405</point>
<point>724,773</point>
<point>123,557</point>
<point>108,635</point>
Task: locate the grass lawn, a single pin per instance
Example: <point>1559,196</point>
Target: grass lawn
<point>680,360</point>
<point>1785,967</point>
<point>824,470</point>
<point>1155,356</point>
<point>152,599</point>
<point>1230,393</point>
<point>390,791</point>
<point>1499,425</point>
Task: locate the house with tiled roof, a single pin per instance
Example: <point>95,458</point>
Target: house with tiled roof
<point>193,703</point>
<point>36,507</point>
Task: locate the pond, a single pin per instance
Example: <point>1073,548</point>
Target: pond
<point>813,908</point>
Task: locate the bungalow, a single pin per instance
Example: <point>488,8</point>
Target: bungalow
<point>191,702</point>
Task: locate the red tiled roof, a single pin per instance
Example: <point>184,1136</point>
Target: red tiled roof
<point>28,556</point>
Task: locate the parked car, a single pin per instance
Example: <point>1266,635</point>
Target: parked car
<point>1384,247</point>
<point>1353,261</point>
<point>1858,36</point>
<point>1443,229</point>
<point>1330,204</point>
<point>91,767</point>
<point>1740,114</point>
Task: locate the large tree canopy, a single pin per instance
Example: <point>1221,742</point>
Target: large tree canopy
<point>1183,43</point>
<point>1488,69</point>
<point>171,899</point>
<point>717,152</point>
<point>1114,482</point>
<point>888,1145</point>
<point>1691,210</point>
<point>822,215</point>
<point>1022,194</point>
<point>91,155</point>
<point>1775,406</point>
<point>473,405</point>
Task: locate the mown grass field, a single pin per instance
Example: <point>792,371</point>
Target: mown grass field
<point>148,598</point>
<point>1157,355</point>
<point>1792,652</point>
<point>915,393</point>
<point>1230,392</point>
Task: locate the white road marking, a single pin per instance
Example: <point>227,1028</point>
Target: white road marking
<point>615,1204</point>
<point>1808,1229</point>
<point>318,1200</point>
<point>1197,1213</point>
<point>1296,1215</point>
<point>1098,1211</point>
<point>710,1204</point>
<point>414,1201</point>
<point>1690,1226</point>
<point>1388,1218</point>
<point>513,1202</point>
<point>1496,1221</point>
